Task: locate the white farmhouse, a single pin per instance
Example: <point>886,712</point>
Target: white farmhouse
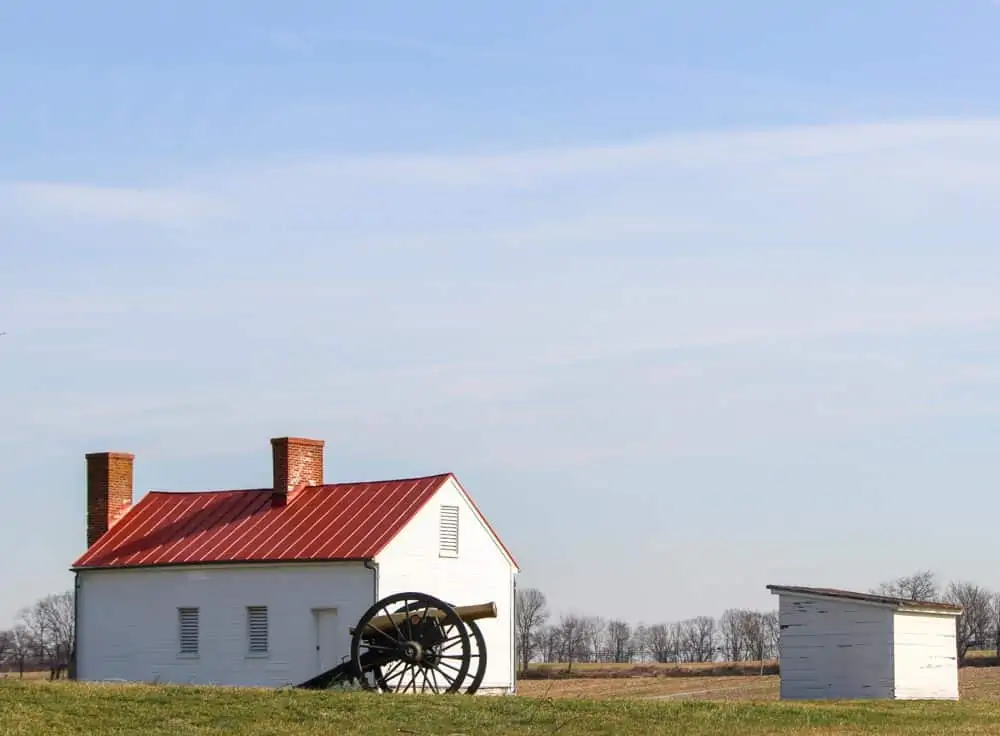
<point>260,587</point>
<point>838,644</point>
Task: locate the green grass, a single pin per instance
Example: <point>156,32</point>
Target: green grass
<point>98,710</point>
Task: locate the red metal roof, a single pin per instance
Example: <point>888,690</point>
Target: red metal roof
<point>343,521</point>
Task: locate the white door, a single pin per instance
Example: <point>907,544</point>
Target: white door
<point>332,644</point>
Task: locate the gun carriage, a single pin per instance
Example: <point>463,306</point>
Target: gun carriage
<point>414,641</point>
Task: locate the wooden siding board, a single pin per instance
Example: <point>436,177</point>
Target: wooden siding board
<point>830,649</point>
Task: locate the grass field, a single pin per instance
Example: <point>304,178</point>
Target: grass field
<point>564,707</point>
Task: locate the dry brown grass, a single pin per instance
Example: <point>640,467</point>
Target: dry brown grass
<point>975,683</point>
<point>688,669</point>
<point>34,676</point>
<point>736,687</point>
<point>987,658</point>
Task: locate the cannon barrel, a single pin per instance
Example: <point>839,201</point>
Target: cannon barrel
<point>466,613</point>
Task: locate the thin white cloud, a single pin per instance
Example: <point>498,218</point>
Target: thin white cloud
<point>701,150</point>
<point>324,189</point>
<point>571,305</point>
<point>111,204</point>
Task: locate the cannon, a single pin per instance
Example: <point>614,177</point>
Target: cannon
<point>414,641</point>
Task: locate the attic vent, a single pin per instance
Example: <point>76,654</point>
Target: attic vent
<point>449,531</point>
<point>188,620</point>
<point>257,629</point>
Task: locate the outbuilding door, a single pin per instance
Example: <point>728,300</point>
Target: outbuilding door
<point>332,644</point>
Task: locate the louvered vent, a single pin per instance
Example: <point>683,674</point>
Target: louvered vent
<point>257,626</point>
<point>449,531</point>
<point>188,618</point>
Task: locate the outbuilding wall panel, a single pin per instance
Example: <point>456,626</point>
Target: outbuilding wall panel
<point>834,649</point>
<point>926,657</point>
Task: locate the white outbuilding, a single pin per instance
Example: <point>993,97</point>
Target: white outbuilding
<point>839,644</point>
<point>261,587</point>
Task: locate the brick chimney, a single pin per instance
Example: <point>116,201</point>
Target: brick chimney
<point>109,490</point>
<point>296,460</point>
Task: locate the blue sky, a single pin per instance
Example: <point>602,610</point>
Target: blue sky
<point>694,297</point>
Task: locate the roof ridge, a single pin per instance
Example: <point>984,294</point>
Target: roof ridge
<point>865,597</point>
<point>428,476</point>
<point>207,490</point>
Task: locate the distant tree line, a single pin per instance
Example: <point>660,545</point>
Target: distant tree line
<point>41,638</point>
<point>738,635</point>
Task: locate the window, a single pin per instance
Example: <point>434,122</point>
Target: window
<point>188,622</point>
<point>449,531</point>
<point>257,629</point>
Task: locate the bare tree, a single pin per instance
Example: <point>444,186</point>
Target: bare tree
<point>772,624</point>
<point>641,641</point>
<point>755,635</point>
<point>57,611</point>
<point>530,615</point>
<point>34,628</point>
<point>975,624</point>
<point>594,629</point>
<point>920,586</point>
<point>572,633</point>
<point>996,624</point>
<point>19,647</point>
<point>732,632</point>
<point>698,639</point>
<point>666,642</point>
<point>5,637</point>
<point>550,642</point>
<point>619,641</point>
<point>677,638</point>
<point>658,640</point>
<point>49,626</point>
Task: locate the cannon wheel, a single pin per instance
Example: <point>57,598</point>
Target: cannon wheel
<point>478,654</point>
<point>431,654</point>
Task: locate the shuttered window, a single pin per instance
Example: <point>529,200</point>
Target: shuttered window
<point>449,531</point>
<point>257,629</point>
<point>188,622</point>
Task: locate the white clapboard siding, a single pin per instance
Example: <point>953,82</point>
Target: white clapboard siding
<point>925,656</point>
<point>474,569</point>
<point>130,627</point>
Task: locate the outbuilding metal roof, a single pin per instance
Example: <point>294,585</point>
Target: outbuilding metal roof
<point>866,598</point>
<point>343,521</point>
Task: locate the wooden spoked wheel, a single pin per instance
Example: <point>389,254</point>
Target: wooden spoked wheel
<point>413,642</point>
<point>477,668</point>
